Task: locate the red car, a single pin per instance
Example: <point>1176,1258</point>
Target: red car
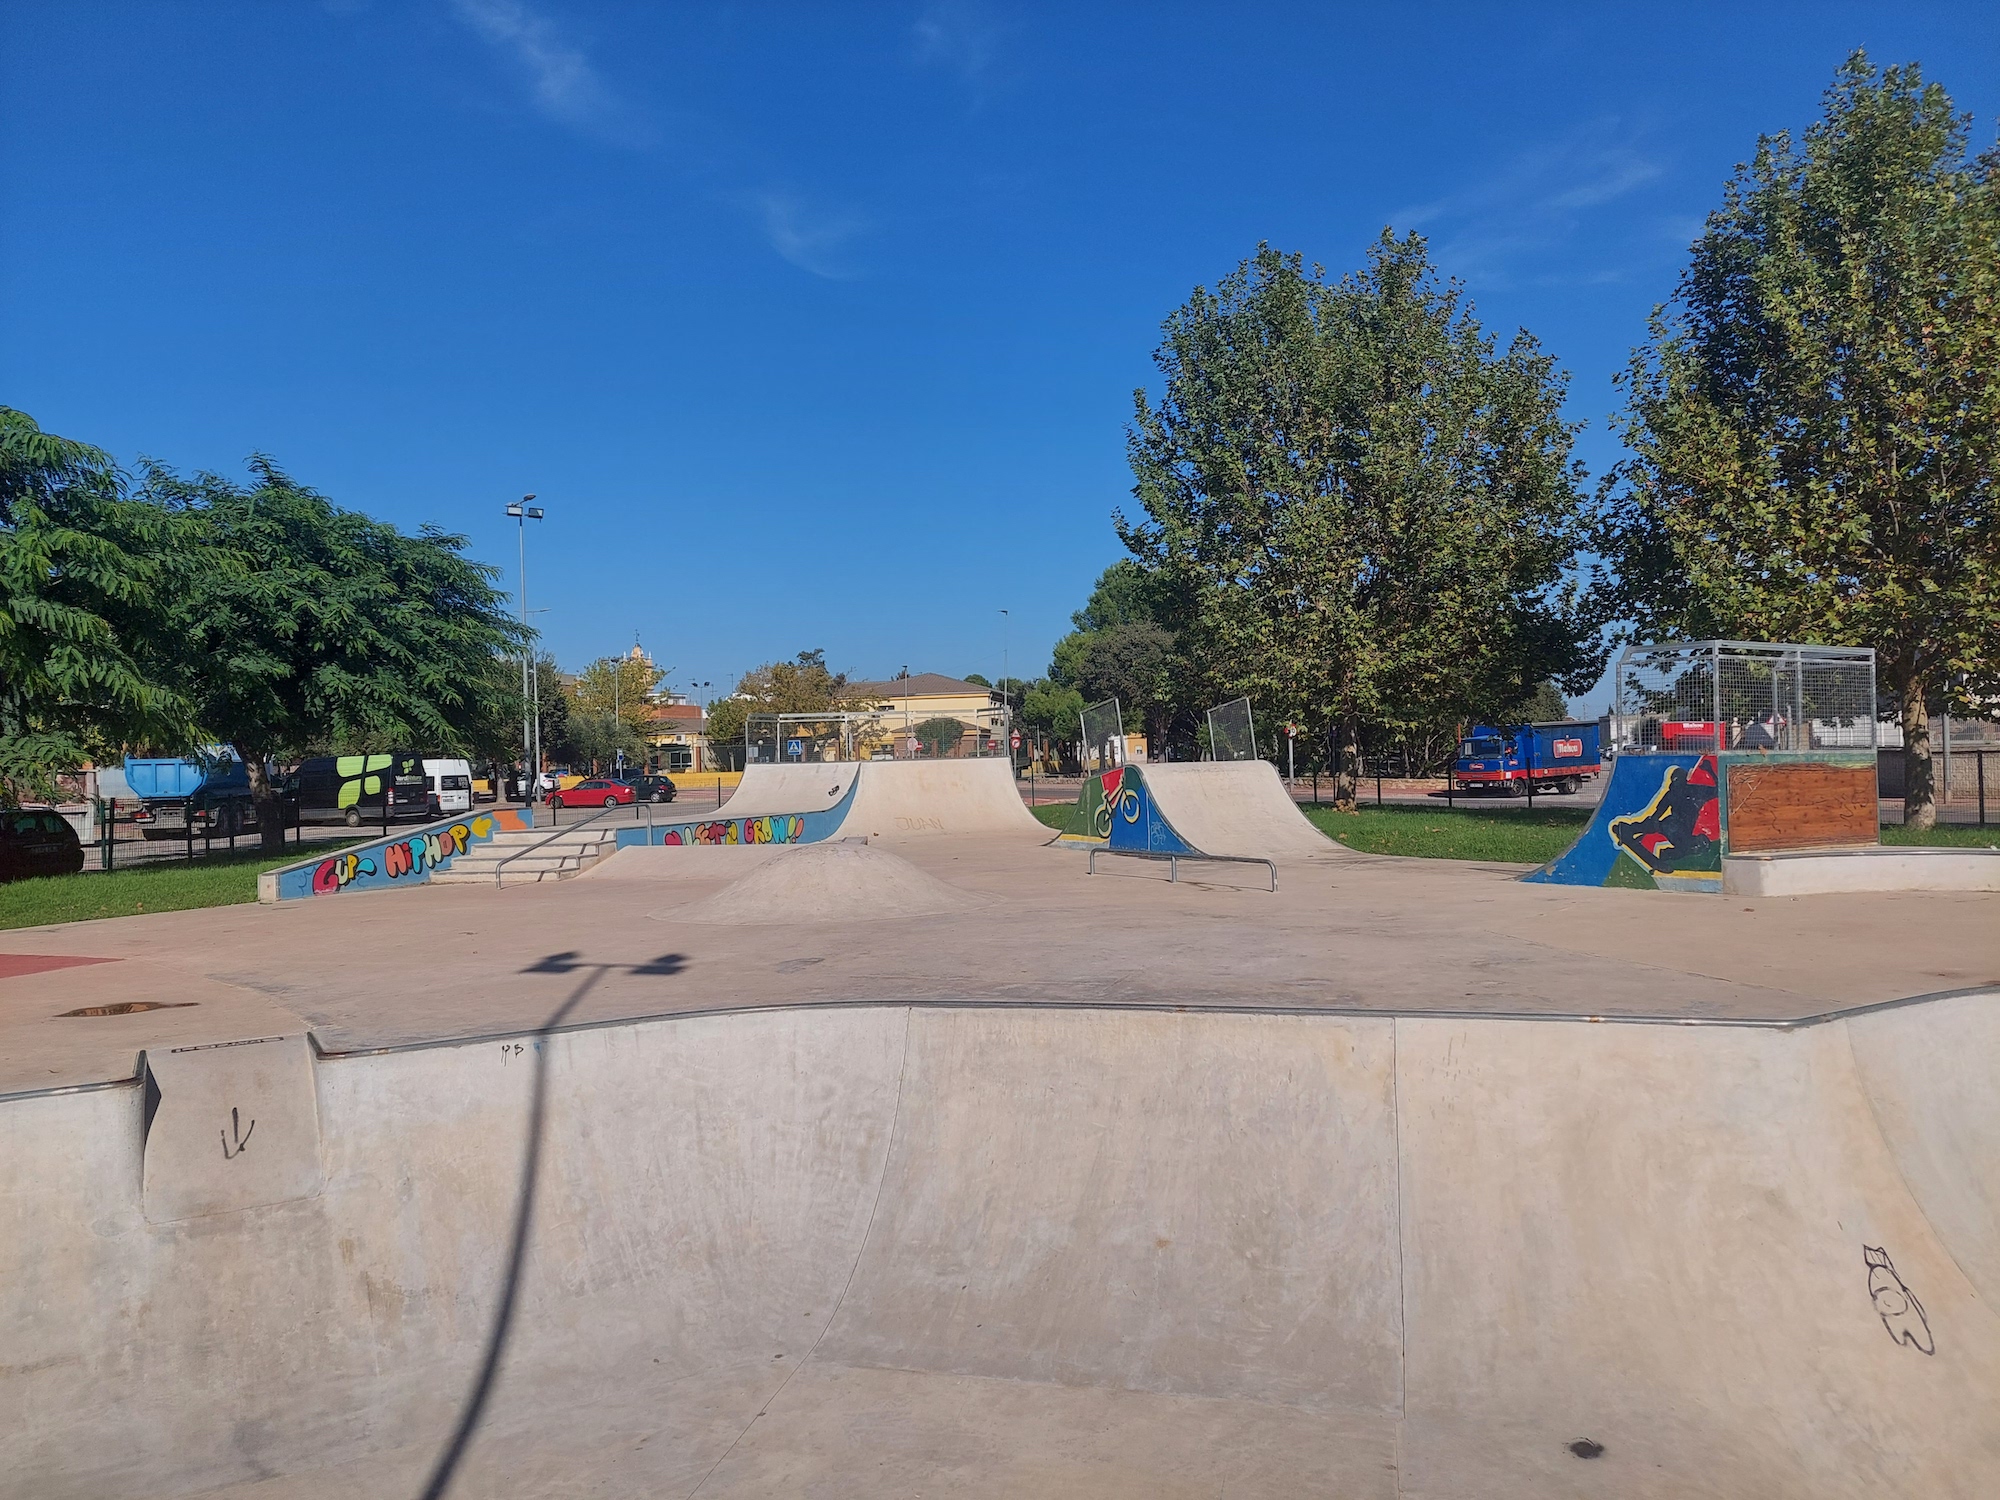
<point>599,791</point>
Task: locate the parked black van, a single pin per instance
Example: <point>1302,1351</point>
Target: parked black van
<point>386,786</point>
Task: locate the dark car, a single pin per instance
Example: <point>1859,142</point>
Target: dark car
<point>650,788</point>
<point>37,841</point>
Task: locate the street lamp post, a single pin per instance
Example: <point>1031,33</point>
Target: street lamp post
<point>523,513</point>
<point>1007,725</point>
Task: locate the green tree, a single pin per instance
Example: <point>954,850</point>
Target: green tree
<point>1545,705</point>
<point>81,571</point>
<point>1366,513</point>
<point>292,622</point>
<point>1816,420</point>
<point>611,709</point>
<point>803,685</point>
<point>620,685</point>
<point>940,735</point>
<point>1134,663</point>
<point>1052,710</point>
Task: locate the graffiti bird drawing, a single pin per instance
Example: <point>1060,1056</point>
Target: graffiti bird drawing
<point>1901,1313</point>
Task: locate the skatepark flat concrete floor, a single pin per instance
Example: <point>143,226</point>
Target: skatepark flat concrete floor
<point>1023,1181</point>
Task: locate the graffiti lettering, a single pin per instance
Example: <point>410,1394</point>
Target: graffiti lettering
<point>784,828</point>
<point>411,856</point>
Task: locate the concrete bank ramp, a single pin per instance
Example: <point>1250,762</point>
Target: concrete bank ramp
<point>1238,808</point>
<point>1000,1252</point>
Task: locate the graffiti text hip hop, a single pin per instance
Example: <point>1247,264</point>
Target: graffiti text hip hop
<point>411,856</point>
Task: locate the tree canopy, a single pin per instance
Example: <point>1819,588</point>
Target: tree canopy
<point>81,593</point>
<point>1815,422</point>
<point>803,685</point>
<point>1356,508</point>
<point>293,622</point>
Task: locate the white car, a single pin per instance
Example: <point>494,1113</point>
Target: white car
<point>451,786</point>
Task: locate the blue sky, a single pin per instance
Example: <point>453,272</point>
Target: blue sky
<point>817,325</point>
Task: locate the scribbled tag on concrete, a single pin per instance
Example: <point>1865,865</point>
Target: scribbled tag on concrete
<point>230,1126</point>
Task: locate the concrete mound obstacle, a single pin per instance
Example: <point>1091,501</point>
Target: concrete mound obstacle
<point>1001,1251</point>
<point>836,882</point>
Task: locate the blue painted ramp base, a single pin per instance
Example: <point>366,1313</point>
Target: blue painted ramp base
<point>772,828</point>
<point>1137,824</point>
<point>1659,827</point>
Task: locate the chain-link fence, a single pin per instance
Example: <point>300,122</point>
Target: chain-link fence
<point>1705,696</point>
<point>797,739</point>
<point>800,739</point>
<point>1103,743</point>
<point>1232,731</point>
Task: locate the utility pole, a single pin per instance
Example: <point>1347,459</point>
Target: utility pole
<point>1006,703</point>
<point>523,513</point>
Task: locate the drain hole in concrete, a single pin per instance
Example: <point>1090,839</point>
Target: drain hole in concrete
<point>1585,1448</point>
<point>128,1008</point>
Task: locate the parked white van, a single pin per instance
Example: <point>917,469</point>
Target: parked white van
<point>451,786</point>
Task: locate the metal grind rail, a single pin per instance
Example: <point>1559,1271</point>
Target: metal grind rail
<point>1173,860</point>
<point>555,833</point>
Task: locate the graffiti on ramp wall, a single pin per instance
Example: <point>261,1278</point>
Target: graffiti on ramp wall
<point>1136,823</point>
<point>1681,828</point>
<point>1659,827</point>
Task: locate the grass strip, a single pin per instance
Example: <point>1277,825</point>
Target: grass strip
<point>1512,837</point>
<point>166,885</point>
<point>1063,817</point>
<point>1945,835</point>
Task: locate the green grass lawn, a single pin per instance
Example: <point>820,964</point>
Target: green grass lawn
<point>166,885</point>
<point>1506,836</point>
<point>1956,835</point>
<point>1061,816</point>
<point>1523,838</point>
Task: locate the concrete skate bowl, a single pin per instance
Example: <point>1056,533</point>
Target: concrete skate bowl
<point>901,1250</point>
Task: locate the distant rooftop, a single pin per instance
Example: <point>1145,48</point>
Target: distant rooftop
<point>919,685</point>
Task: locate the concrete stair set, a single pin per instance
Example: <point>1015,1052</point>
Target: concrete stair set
<point>557,856</point>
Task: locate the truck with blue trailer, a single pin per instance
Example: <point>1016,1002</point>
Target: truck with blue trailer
<point>1556,757</point>
<point>205,796</point>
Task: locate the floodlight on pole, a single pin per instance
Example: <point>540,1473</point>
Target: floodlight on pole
<point>522,513</point>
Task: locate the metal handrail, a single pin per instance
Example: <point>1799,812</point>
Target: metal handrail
<point>556,833</point>
<point>1173,861</point>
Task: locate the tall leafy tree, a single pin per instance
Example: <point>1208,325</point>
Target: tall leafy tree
<point>81,568</point>
<point>1124,646</point>
<point>620,687</point>
<point>803,685</point>
<point>294,623</point>
<point>1815,423</point>
<point>1366,514</point>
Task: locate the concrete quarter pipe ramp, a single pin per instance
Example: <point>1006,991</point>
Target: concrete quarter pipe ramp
<point>807,804</point>
<point>995,1252</point>
<point>1235,808</point>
